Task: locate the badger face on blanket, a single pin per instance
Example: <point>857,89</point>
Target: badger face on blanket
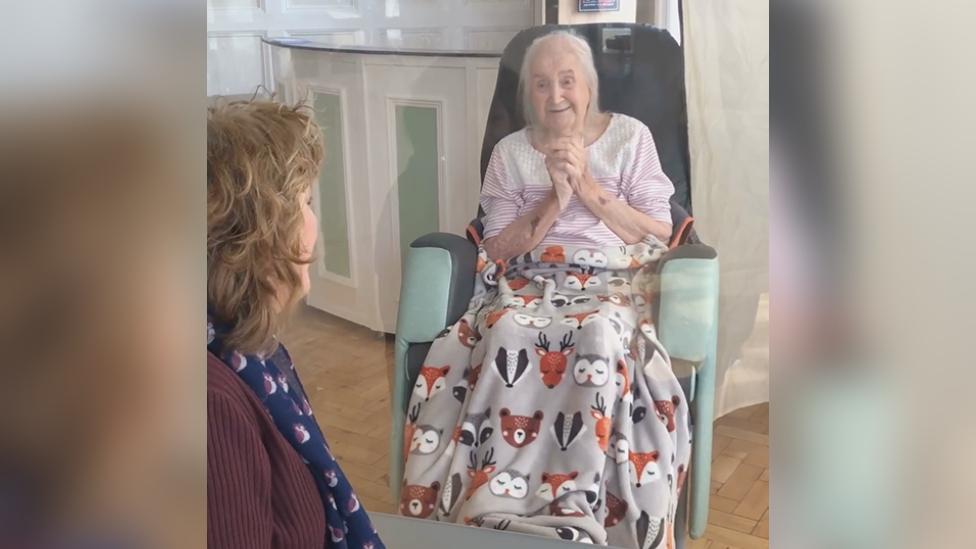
<point>540,395</point>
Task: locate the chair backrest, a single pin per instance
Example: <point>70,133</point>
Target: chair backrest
<point>641,71</point>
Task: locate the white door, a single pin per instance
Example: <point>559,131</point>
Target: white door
<point>419,179</point>
<point>342,277</point>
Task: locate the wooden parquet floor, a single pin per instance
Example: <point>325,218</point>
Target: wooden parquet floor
<point>346,370</point>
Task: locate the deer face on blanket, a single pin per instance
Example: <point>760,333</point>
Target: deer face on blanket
<point>665,411</point>
<point>471,375</point>
<point>552,364</point>
<point>603,422</point>
<point>409,428</point>
<point>479,475</point>
<point>430,381</point>
<point>467,335</point>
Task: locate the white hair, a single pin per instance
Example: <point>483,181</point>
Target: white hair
<point>579,47</point>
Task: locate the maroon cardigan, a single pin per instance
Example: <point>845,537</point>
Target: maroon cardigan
<point>259,492</point>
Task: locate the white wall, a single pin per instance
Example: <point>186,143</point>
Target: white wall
<point>237,61</point>
<point>660,13</point>
<point>568,14</point>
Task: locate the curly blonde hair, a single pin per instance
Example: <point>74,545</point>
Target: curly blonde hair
<point>261,157</point>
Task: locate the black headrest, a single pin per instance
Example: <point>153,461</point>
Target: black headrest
<point>641,70</point>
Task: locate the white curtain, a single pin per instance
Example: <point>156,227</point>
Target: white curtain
<point>726,47</point>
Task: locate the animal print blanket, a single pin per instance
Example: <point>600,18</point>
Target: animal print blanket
<point>550,407</point>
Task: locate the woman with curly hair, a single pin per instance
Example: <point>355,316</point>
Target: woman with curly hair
<point>272,480</point>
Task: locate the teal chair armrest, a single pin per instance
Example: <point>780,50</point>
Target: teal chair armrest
<point>688,329</point>
<point>438,281</point>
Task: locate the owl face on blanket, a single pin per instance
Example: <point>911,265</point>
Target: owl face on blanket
<point>562,408</point>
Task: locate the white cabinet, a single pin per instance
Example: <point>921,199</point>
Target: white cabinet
<point>403,145</point>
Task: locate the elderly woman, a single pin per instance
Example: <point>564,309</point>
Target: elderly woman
<point>574,175</point>
<point>551,407</point>
<point>271,478</point>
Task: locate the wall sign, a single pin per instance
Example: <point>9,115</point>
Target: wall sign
<point>598,5</point>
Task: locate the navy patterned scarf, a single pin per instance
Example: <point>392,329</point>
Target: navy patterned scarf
<point>275,382</point>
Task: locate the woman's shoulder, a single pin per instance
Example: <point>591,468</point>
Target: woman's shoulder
<point>517,159</point>
<point>619,141</point>
<point>617,149</point>
<point>224,385</point>
<point>627,126</point>
<point>513,143</point>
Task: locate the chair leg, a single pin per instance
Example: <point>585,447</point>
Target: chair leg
<point>681,521</point>
<point>681,514</point>
<point>701,448</point>
<point>399,417</point>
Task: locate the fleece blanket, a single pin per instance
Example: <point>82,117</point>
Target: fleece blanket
<point>551,407</point>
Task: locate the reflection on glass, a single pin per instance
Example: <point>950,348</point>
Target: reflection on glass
<point>332,186</point>
<point>416,139</point>
<point>233,64</point>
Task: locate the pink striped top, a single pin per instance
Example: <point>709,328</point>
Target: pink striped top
<point>623,161</point>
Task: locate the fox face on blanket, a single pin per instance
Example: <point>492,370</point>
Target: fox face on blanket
<point>567,419</point>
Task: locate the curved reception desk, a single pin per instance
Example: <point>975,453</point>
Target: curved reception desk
<point>403,132</point>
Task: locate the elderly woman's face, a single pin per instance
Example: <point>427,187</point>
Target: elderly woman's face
<point>309,235</point>
<point>558,91</point>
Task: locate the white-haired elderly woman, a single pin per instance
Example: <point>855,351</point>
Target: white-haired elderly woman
<point>574,175</point>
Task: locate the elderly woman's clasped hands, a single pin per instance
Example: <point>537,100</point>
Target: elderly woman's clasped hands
<point>567,167</point>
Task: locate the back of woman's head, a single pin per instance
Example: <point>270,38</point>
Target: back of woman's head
<point>261,157</point>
